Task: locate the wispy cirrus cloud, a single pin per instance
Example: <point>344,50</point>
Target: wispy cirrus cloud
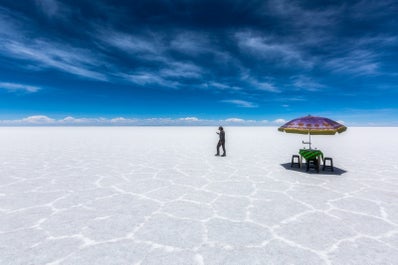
<point>13,87</point>
<point>144,78</point>
<point>303,82</point>
<point>257,84</point>
<point>181,70</point>
<point>192,43</point>
<point>155,50</point>
<point>47,55</point>
<point>264,47</point>
<point>39,53</point>
<point>223,86</point>
<point>240,103</point>
<point>132,44</point>
<point>48,7</point>
<point>357,62</point>
<point>295,15</point>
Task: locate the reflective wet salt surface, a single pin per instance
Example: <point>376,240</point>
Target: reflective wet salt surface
<point>157,195</point>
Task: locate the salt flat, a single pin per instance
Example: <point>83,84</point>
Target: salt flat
<point>158,195</point>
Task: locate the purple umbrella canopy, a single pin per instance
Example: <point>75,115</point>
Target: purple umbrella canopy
<point>313,125</point>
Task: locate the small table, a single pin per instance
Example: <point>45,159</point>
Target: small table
<point>311,154</point>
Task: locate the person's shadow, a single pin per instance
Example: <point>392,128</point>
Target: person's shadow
<point>336,170</point>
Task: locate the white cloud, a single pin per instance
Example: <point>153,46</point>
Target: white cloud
<point>12,87</point>
<point>189,119</point>
<point>234,120</point>
<point>121,120</point>
<point>279,121</point>
<point>42,120</point>
<point>240,103</point>
<point>38,119</point>
<point>242,122</point>
<point>72,120</point>
<point>69,119</point>
<point>96,121</point>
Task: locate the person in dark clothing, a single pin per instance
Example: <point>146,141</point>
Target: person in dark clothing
<point>221,141</point>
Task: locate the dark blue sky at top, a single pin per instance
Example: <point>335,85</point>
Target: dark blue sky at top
<point>260,60</point>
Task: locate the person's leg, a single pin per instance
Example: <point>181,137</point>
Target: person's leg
<point>218,148</point>
<point>223,148</point>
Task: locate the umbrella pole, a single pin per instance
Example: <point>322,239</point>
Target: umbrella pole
<point>309,137</point>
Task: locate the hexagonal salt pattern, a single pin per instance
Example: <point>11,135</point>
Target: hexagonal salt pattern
<point>156,196</point>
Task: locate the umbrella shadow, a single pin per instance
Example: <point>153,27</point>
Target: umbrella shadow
<point>336,170</point>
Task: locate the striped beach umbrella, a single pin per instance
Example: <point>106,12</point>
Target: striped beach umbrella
<point>313,125</point>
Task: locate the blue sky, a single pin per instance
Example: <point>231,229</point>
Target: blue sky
<point>198,62</point>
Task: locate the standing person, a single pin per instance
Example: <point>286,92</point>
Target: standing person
<point>221,141</point>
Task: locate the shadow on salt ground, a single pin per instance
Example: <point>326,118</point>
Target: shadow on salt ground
<point>337,171</point>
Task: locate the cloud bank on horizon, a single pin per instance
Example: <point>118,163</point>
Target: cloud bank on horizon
<point>42,120</point>
<point>252,60</point>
